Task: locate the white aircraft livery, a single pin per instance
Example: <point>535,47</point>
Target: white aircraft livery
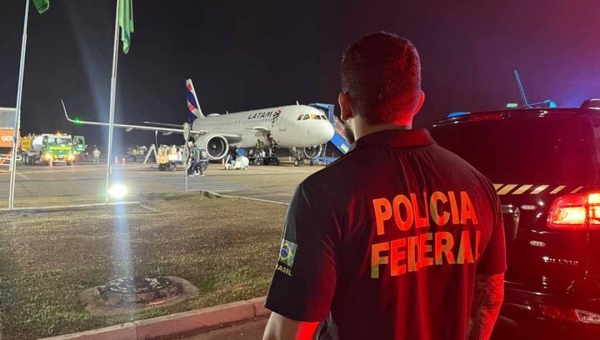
<point>293,126</point>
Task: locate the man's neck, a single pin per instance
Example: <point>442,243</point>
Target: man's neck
<point>370,129</point>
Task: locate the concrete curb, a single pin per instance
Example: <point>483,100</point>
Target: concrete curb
<point>175,324</point>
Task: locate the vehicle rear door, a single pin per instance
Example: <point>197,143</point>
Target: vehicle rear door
<point>533,161</point>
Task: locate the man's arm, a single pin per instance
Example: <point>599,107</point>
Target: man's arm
<point>281,328</point>
<point>487,300</point>
<point>305,277</point>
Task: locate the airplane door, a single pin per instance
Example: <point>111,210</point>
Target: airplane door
<point>283,123</point>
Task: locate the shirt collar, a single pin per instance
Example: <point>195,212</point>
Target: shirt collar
<point>395,139</point>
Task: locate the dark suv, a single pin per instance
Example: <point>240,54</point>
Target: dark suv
<point>545,165</point>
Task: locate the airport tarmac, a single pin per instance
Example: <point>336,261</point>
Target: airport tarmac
<point>87,180</point>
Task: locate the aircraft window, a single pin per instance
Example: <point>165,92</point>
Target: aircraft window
<point>323,117</point>
<point>300,117</point>
<point>305,117</point>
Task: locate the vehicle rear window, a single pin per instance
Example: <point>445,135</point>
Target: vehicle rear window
<point>534,150</point>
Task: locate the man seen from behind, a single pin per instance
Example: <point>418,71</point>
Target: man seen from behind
<point>400,238</point>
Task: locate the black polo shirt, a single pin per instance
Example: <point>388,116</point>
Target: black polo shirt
<point>387,241</point>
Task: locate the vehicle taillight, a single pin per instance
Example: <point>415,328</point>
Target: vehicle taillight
<point>574,315</point>
<point>575,212</point>
<point>560,313</point>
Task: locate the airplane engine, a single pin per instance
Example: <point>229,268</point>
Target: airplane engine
<point>215,146</point>
<point>312,152</point>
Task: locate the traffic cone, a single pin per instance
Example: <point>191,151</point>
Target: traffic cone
<point>123,162</point>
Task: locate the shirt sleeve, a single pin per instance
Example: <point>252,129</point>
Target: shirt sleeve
<point>305,274</point>
<point>493,259</point>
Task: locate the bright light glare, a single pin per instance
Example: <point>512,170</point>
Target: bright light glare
<point>117,191</point>
<point>570,215</point>
<point>588,317</point>
<point>594,198</point>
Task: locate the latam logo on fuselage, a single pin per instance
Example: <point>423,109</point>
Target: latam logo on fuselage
<point>275,114</point>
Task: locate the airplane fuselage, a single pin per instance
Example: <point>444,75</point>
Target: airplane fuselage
<point>290,126</point>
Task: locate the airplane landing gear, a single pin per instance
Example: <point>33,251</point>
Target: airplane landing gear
<point>299,160</point>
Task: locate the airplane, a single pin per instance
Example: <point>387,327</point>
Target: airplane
<point>301,128</point>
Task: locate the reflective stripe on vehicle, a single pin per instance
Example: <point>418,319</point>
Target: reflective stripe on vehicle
<point>505,190</point>
<point>531,189</point>
<point>576,190</point>
<point>522,189</point>
<point>539,189</point>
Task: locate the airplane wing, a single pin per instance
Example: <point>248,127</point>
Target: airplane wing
<point>163,124</point>
<point>127,127</point>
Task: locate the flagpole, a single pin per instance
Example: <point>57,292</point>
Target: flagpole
<point>113,91</point>
<point>13,160</point>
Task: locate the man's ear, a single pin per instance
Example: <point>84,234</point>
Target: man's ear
<point>346,108</point>
<point>419,103</point>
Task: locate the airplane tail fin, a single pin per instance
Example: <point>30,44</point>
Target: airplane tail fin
<point>192,102</point>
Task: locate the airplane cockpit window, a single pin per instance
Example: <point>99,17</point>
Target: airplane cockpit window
<point>312,117</point>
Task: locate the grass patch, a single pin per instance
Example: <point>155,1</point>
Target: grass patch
<point>225,247</point>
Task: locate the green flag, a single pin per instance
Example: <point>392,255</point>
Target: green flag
<point>126,22</point>
<point>41,5</point>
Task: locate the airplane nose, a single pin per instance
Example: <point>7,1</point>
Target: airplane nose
<point>330,131</point>
<point>327,131</point>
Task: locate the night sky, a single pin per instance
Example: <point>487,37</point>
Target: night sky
<point>251,54</point>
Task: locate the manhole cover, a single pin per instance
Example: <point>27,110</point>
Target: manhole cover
<point>130,295</point>
<point>145,290</point>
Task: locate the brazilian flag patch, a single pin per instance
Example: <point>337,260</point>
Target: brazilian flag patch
<point>287,253</point>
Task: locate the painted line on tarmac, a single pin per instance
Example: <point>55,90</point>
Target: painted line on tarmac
<point>23,176</point>
<point>260,174</point>
<point>71,207</point>
<point>148,208</point>
<point>248,198</point>
<point>54,170</point>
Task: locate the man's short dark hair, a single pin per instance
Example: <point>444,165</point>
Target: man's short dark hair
<point>381,72</point>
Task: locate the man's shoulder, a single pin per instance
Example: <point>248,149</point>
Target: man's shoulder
<point>449,158</point>
<point>335,171</point>
<point>470,174</point>
<point>332,180</point>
